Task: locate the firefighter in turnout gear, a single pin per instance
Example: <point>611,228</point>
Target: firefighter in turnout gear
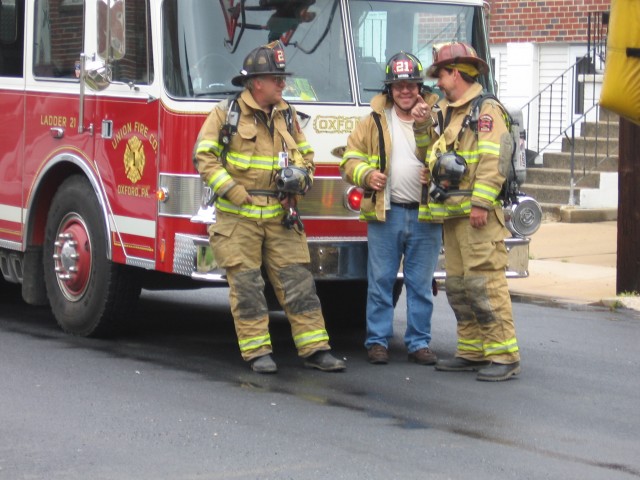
<point>382,158</point>
<point>474,224</point>
<point>240,153</point>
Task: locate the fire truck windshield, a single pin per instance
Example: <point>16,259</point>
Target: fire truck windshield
<point>383,28</point>
<point>204,47</point>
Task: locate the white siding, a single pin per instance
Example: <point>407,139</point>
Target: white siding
<point>547,116</point>
<point>556,91</point>
<point>498,55</point>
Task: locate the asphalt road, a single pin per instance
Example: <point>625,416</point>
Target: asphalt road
<point>173,400</point>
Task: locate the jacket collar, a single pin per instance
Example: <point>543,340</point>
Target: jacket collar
<point>251,104</point>
<point>381,102</point>
<point>473,91</point>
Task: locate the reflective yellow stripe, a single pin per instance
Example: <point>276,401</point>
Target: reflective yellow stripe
<point>470,157</point>
<point>359,173</point>
<point>311,337</point>
<point>470,345</point>
<point>304,147</point>
<point>374,161</point>
<point>498,348</point>
<point>255,342</point>
<point>422,140</point>
<point>218,179</point>
<point>368,216</point>
<point>250,211</point>
<point>438,210</point>
<point>354,154</point>
<point>462,208</point>
<point>424,213</point>
<point>490,148</point>
<point>209,146</point>
<point>244,162</point>
<point>485,191</point>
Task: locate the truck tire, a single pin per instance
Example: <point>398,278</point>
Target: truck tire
<point>344,303</point>
<point>89,295</point>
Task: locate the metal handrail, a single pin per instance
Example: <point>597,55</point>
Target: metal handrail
<point>541,113</point>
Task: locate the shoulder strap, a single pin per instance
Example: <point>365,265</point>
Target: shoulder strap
<point>288,118</point>
<point>229,128</point>
<point>474,113</point>
<point>509,188</point>
<point>383,155</point>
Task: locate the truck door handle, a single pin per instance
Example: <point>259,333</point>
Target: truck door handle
<point>57,132</point>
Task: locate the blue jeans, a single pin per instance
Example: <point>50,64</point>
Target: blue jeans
<point>419,243</point>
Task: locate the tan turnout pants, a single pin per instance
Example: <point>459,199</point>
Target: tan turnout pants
<point>242,246</point>
<point>477,289</point>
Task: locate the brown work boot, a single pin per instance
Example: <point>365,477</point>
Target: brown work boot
<point>459,364</point>
<point>424,356</point>
<point>378,355</point>
<point>498,372</point>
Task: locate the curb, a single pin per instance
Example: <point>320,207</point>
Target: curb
<point>569,214</point>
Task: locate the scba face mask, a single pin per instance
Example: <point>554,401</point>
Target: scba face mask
<point>447,174</point>
<point>293,180</point>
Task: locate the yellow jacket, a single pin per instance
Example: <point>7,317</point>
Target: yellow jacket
<point>252,157</point>
<point>362,157</point>
<point>488,153</point>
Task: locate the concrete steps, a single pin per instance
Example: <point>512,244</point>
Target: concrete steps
<point>562,161</point>
<point>595,154</point>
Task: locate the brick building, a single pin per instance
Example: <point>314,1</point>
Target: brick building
<point>539,21</point>
<point>535,41</point>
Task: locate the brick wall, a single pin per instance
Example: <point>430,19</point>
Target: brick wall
<point>541,21</point>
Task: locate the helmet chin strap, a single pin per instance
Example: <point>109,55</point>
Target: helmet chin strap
<point>407,111</point>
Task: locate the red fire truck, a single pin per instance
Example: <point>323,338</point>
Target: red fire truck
<point>100,105</point>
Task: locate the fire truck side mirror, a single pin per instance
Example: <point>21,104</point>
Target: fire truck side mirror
<point>98,75</point>
<point>111,29</point>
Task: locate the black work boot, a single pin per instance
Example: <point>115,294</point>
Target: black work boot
<point>324,361</point>
<point>498,372</point>
<point>264,364</point>
<point>459,364</point>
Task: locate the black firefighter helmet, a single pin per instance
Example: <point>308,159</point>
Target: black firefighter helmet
<point>403,67</point>
<point>265,60</point>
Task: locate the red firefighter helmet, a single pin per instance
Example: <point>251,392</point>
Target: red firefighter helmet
<point>453,53</point>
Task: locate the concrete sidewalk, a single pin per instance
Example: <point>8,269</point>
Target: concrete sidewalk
<point>575,263</point>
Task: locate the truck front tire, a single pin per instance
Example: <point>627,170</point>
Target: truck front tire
<point>89,295</point>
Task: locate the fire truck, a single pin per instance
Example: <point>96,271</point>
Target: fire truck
<point>100,105</point>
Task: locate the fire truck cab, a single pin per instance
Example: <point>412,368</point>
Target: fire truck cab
<point>100,105</point>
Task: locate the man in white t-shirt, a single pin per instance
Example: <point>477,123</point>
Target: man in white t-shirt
<point>382,158</point>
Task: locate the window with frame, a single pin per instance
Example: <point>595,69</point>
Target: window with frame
<point>58,39</point>
<point>11,38</point>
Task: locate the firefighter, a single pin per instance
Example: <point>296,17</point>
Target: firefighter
<point>381,157</point>
<point>468,166</point>
<point>243,147</point>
